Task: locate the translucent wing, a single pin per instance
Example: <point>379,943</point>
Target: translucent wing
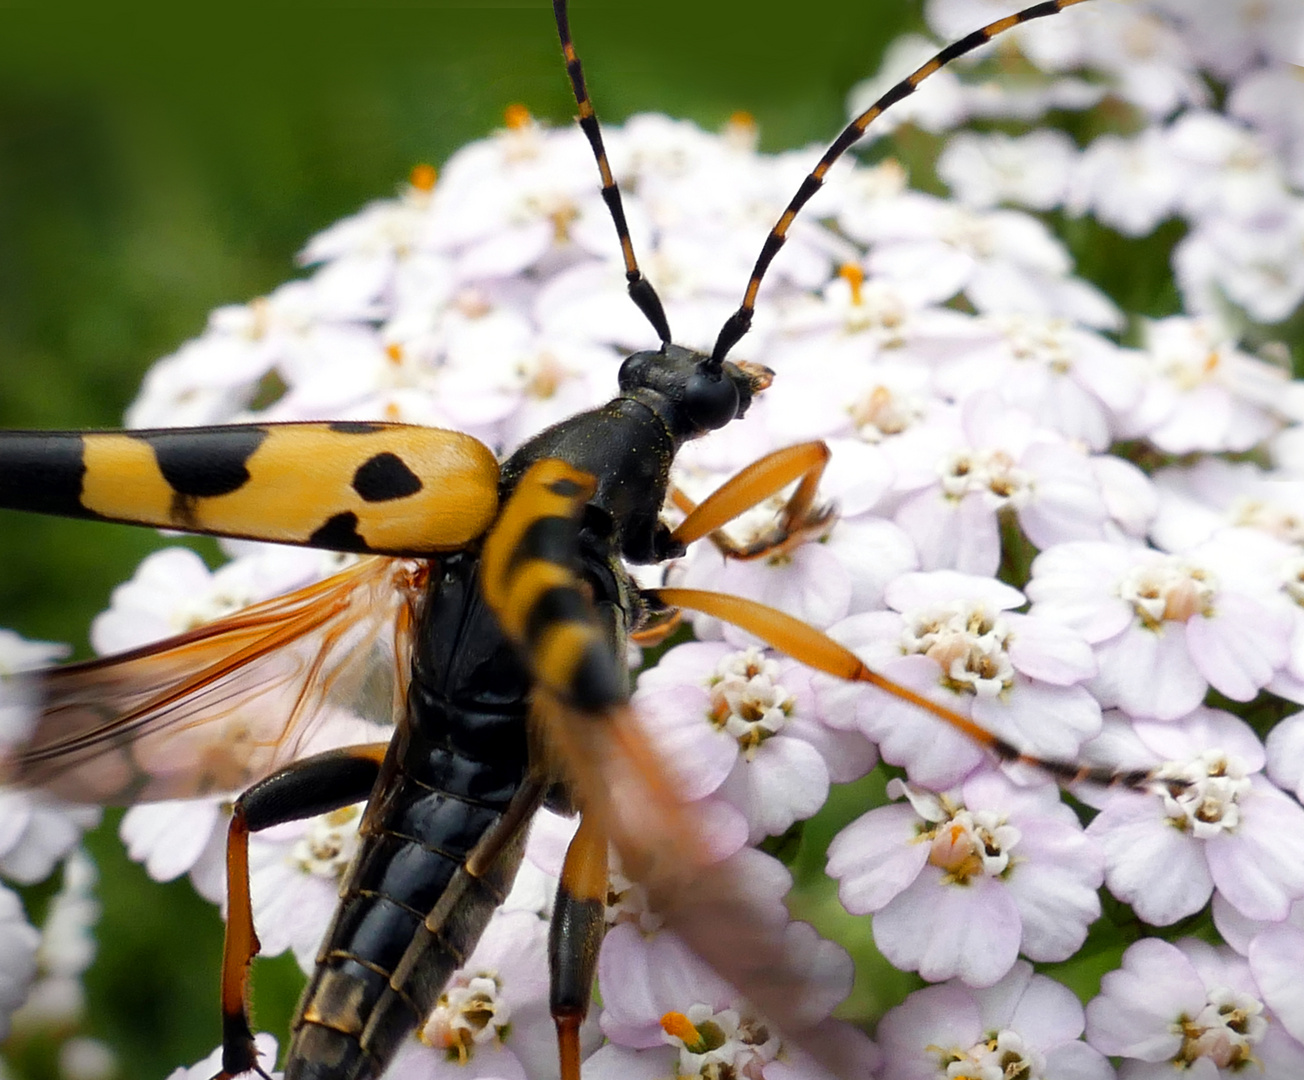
<point>219,707</point>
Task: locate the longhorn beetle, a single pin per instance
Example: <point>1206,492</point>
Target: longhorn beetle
<point>504,591</point>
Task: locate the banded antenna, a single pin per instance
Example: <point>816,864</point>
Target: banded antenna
<point>640,289</point>
<point>741,320</point>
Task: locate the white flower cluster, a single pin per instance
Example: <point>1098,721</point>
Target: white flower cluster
<point>1081,530</point>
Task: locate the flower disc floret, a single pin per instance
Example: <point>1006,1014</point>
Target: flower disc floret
<point>1203,796</point>
<point>470,1012</point>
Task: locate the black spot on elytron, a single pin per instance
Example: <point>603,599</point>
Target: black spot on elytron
<point>552,539</point>
<point>42,471</point>
<point>385,477</point>
<point>340,533</point>
<point>567,489</point>
<point>354,427</point>
<point>204,462</point>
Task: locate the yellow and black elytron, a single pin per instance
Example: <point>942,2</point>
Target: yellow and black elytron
<point>503,594</point>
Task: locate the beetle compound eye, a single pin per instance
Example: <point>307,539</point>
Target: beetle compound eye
<point>711,401</point>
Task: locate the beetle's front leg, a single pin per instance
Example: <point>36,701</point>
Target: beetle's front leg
<point>800,517</point>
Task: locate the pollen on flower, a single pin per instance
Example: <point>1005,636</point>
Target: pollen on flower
<point>747,700</point>
<point>470,1013</point>
<point>716,1045</point>
<point>394,352</point>
<point>423,177</point>
<point>741,131</point>
<point>1205,795</point>
<point>516,116</point>
<point>967,642</point>
<point>1169,590</point>
<point>854,276</point>
<point>328,846</point>
<point>1225,1031</point>
<point>678,1026</point>
<point>969,845</point>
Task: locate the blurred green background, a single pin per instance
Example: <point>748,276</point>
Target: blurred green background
<point>157,162</point>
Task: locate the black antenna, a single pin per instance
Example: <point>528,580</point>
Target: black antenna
<point>640,289</point>
<point>741,320</point>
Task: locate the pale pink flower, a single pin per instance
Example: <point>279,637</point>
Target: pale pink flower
<point>36,832</point>
<point>986,170</point>
<point>1271,101</point>
<point>57,1001</point>
<point>745,728</point>
<point>961,883</point>
<point>1192,1006</point>
<point>953,638</point>
<point>1221,826</point>
<point>173,591</point>
<point>1024,1025</point>
<point>295,871</point>
<point>181,836</point>
<point>1073,381</point>
<point>1130,184</point>
<point>1153,69</point>
<point>1198,500</point>
<point>1164,627</point>
<point>651,985</point>
<point>18,702</point>
<point>1004,261</point>
<point>492,1018</point>
<point>1202,393</point>
<point>1229,37</point>
<point>994,460</point>
<point>1255,265</point>
<point>18,942</point>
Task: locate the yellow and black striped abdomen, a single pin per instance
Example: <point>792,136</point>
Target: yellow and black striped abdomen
<point>529,574</point>
<point>390,489</point>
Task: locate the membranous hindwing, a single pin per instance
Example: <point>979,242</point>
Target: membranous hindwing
<point>1021,406</point>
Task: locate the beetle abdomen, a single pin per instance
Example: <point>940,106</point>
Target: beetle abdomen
<point>410,910</point>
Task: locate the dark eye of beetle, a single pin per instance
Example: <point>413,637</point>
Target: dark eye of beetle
<point>711,401</point>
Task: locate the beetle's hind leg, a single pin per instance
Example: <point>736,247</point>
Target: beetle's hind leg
<point>315,785</point>
<point>816,649</point>
<point>800,518</point>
